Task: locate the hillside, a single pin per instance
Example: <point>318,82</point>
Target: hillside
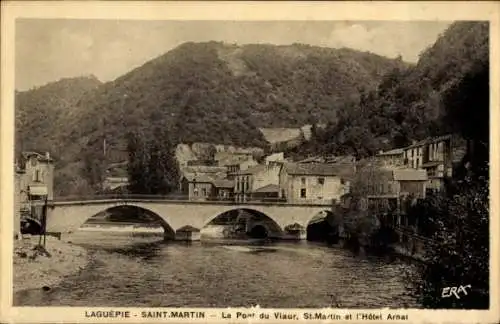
<point>43,113</point>
<point>410,103</point>
<point>202,92</point>
<point>219,93</point>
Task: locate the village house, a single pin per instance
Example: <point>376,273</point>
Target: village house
<point>390,190</point>
<point>243,182</point>
<point>437,157</point>
<point>260,182</point>
<point>34,185</point>
<point>222,189</point>
<point>206,187</point>
<point>116,178</point>
<point>317,183</point>
<point>391,158</point>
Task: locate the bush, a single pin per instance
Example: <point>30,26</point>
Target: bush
<point>461,255</point>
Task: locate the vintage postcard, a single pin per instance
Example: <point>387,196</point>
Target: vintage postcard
<point>249,162</point>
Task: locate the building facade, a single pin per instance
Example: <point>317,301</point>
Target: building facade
<point>391,158</point>
<point>34,186</point>
<point>196,187</point>
<point>312,183</point>
<point>436,156</point>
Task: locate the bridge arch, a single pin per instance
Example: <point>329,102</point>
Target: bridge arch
<point>30,225</point>
<point>130,213</point>
<point>256,222</point>
<point>67,218</point>
<point>321,226</point>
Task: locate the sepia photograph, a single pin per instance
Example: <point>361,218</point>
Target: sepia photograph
<point>281,164</point>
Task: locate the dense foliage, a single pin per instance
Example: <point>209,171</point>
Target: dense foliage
<point>409,103</point>
<point>458,222</point>
<point>152,168</point>
<point>201,92</point>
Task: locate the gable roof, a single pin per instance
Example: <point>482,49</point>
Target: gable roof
<point>410,175</point>
<point>392,152</point>
<point>252,170</point>
<point>203,178</point>
<point>270,188</point>
<point>320,169</point>
<point>40,157</point>
<point>222,183</point>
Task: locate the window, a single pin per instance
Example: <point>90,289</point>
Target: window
<point>321,181</point>
<point>36,176</point>
<point>204,192</point>
<point>303,181</point>
<point>302,193</point>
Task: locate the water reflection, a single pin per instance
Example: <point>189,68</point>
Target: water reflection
<point>146,271</point>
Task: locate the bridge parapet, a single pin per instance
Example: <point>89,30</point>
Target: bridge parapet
<point>99,199</point>
<point>67,216</point>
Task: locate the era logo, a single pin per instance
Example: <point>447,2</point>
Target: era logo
<point>448,291</point>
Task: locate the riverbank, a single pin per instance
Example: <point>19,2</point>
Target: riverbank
<point>35,269</point>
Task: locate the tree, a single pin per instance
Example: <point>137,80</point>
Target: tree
<point>360,221</point>
<point>467,110</point>
<point>93,171</point>
<point>460,255</point>
<point>163,166</point>
<point>152,167</point>
<point>137,166</point>
<point>460,221</point>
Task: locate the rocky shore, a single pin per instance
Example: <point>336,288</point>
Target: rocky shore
<point>38,268</point>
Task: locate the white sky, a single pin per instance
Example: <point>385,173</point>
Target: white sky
<point>50,49</point>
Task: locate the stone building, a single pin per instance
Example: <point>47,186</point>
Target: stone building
<point>317,183</point>
<point>34,186</point>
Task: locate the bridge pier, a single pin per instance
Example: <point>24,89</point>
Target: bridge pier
<point>188,233</point>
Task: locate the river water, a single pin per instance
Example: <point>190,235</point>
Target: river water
<point>144,271</point>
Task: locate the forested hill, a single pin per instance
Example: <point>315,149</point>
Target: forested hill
<point>202,92</point>
<point>43,113</point>
<point>414,102</point>
<point>220,93</point>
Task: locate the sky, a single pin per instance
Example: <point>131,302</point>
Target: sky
<point>50,49</point>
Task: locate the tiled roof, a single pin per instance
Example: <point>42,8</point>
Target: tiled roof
<point>269,188</point>
<point>430,140</point>
<point>206,178</point>
<point>40,157</point>
<point>222,183</point>
<point>117,172</point>
<point>339,169</point>
<point>410,175</point>
<point>392,152</point>
<point>252,170</point>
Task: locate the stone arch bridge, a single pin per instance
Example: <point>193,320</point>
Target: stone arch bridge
<point>69,216</point>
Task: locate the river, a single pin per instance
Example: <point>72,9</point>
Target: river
<point>144,271</point>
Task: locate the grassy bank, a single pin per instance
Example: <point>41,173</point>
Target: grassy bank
<point>34,268</point>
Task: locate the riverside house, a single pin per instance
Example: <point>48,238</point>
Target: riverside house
<point>34,184</point>
<point>206,187</point>
<point>437,157</point>
<point>317,183</point>
<point>260,182</point>
<point>391,158</point>
<point>389,191</point>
